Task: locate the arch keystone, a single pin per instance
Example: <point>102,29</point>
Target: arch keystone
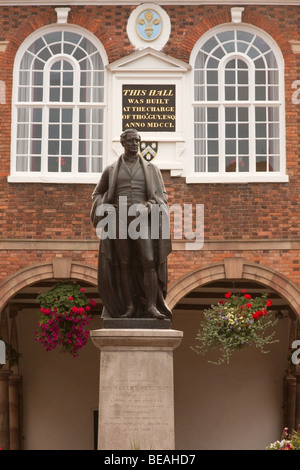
<point>233,268</point>
<point>62,268</point>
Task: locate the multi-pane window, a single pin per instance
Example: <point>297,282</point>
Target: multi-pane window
<point>59,107</point>
<point>238,99</point>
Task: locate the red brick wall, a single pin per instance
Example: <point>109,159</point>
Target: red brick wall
<point>232,211</point>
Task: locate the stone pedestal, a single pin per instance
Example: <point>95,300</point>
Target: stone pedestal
<point>136,395</point>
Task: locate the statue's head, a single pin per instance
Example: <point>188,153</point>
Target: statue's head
<point>129,134</point>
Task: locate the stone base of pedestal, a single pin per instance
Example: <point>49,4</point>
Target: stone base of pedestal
<point>136,396</point>
<point>133,323</point>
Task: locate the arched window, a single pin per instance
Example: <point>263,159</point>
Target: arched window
<point>58,108</point>
<point>238,107</point>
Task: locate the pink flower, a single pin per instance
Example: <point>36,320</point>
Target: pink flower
<point>82,290</point>
<point>70,298</point>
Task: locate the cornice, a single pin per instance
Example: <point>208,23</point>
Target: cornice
<point>58,3</point>
<point>177,245</point>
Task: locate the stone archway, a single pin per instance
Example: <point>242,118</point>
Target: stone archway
<point>233,269</point>
<point>57,268</point>
<point>10,379</point>
<point>236,268</point>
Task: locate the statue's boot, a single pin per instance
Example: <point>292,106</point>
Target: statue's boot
<point>129,312</point>
<point>150,283</point>
<point>125,279</point>
<point>155,313</point>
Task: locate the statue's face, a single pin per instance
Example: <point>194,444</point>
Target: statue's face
<point>131,144</point>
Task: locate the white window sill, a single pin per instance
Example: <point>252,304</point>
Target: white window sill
<point>237,178</point>
<point>57,179</point>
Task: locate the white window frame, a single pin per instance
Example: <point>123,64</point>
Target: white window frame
<point>44,176</point>
<point>239,177</point>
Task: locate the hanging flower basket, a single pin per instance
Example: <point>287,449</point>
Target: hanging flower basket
<point>235,323</point>
<point>66,312</point>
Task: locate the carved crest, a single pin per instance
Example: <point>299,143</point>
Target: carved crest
<point>149,150</point>
<point>149,25</point>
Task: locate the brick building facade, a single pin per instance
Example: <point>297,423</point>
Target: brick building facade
<point>251,220</point>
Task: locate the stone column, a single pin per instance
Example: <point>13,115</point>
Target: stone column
<point>289,401</point>
<point>4,409</point>
<point>15,383</point>
<point>297,413</point>
<point>14,412</point>
<point>4,386</point>
<point>136,394</point>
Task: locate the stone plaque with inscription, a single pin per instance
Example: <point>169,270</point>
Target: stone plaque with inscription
<point>136,396</point>
<point>149,108</point>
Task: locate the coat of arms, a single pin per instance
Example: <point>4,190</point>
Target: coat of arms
<point>149,150</point>
<point>149,25</point>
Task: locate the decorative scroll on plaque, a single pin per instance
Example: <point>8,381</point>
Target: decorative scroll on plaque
<point>149,108</point>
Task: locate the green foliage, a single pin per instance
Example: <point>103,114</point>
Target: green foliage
<point>236,323</point>
<point>12,355</point>
<point>135,445</point>
<point>63,297</point>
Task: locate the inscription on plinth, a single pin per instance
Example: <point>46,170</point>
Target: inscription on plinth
<point>135,409</point>
<point>136,397</point>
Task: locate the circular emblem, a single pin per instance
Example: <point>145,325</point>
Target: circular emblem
<point>149,25</point>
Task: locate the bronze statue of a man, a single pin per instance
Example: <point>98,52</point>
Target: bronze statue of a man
<point>132,270</point>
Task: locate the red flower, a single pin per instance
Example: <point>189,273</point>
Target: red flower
<point>243,291</point>
<point>247,296</point>
<point>70,298</point>
<point>257,314</point>
<point>228,295</point>
<point>82,290</point>
<point>248,305</point>
<point>221,302</point>
<point>269,303</point>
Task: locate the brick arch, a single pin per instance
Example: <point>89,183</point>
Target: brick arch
<point>49,19</point>
<point>249,18</point>
<point>236,268</point>
<point>57,268</point>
